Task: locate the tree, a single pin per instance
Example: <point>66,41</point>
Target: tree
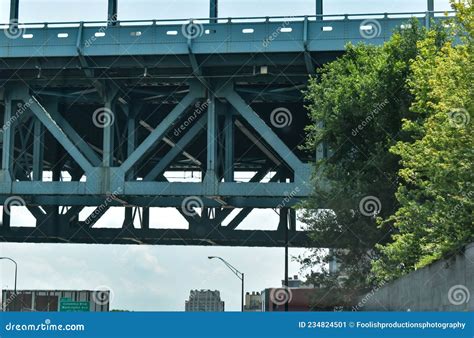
<point>356,105</point>
<point>436,195</point>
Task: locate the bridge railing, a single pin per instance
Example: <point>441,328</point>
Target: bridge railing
<point>204,35</point>
<point>330,17</point>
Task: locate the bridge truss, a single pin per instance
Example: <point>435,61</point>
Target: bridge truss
<point>99,114</point>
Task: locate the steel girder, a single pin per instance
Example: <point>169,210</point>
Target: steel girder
<point>304,34</point>
<point>102,178</point>
<point>124,167</point>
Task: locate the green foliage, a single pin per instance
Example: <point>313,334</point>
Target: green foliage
<point>398,121</point>
<point>356,105</point>
<point>436,196</point>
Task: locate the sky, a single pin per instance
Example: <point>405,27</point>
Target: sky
<point>159,278</point>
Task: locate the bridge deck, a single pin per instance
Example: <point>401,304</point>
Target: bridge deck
<point>176,37</point>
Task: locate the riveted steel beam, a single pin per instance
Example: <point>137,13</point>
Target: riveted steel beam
<point>59,134</point>
<point>161,130</point>
<point>177,149</point>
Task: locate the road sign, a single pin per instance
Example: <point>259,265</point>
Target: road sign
<point>68,305</point>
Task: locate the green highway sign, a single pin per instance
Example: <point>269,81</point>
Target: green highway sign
<point>68,305</point>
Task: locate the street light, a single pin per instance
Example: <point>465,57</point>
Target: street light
<point>16,268</point>
<point>236,272</point>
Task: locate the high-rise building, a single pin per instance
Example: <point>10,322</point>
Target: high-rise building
<point>204,301</point>
<point>253,302</point>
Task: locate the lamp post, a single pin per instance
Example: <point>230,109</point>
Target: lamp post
<point>236,272</point>
<point>16,268</point>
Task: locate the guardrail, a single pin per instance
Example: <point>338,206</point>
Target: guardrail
<point>206,35</point>
<point>231,19</point>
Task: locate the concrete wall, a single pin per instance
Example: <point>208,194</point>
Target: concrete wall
<point>446,285</point>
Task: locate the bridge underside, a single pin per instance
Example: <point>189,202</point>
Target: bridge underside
<point>116,116</point>
<point>124,134</point>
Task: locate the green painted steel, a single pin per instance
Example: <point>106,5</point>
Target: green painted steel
<point>109,111</point>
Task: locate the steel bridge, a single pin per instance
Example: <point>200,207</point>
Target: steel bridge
<point>99,114</point>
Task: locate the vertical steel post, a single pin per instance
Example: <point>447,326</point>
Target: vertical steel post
<point>16,269</point>
<point>131,136</point>
<point>286,264</point>
<point>38,150</point>
<point>213,12</point>
<point>131,144</point>
<point>319,9</point>
<point>243,293</point>
<point>8,139</point>
<point>229,146</point>
<point>14,10</point>
<point>112,10</point>
<point>146,218</point>
<point>210,178</point>
<point>429,14</point>
<point>108,127</point>
<point>430,5</point>
<point>5,219</point>
<point>292,220</point>
<point>52,106</point>
<point>284,224</point>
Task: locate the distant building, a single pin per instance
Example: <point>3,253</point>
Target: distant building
<point>303,297</point>
<point>253,302</point>
<point>294,282</point>
<point>204,301</point>
<point>56,300</point>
